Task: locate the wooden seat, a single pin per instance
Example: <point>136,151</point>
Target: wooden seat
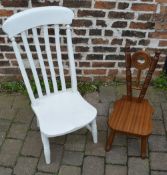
<point>133,115</point>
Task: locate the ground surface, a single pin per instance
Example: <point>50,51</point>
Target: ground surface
<point>75,154</point>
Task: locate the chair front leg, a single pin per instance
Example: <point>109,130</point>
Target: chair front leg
<point>110,140</point>
<point>46,146</point>
<point>94,131</point>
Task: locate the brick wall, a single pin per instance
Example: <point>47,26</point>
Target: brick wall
<point>100,31</point>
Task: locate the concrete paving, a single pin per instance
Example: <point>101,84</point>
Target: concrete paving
<point>21,151</point>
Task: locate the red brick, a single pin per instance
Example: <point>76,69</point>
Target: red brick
<point>103,64</point>
<point>163,43</point>
<point>81,49</point>
<point>93,13</point>
<point>142,25</point>
<point>160,1</point>
<point>4,63</point>
<point>11,71</point>
<point>95,71</point>
<point>104,5</point>
<point>84,64</point>
<point>44,3</point>
<point>6,12</point>
<point>160,26</point>
<point>144,7</point>
<point>77,4</point>
<point>112,72</point>
<point>2,39</point>
<point>81,23</point>
<point>100,41</point>
<point>10,56</point>
<point>15,3</point>
<point>83,78</point>
<point>160,35</point>
<point>108,78</point>
<point>116,41</point>
<point>163,9</point>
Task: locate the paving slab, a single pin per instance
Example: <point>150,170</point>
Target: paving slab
<point>2,137</point>
<point>93,165</point>
<point>41,173</point>
<point>21,102</point>
<point>164,106</point>
<point>158,161</point>
<point>74,158</point>
<point>9,152</point>
<point>96,149</point>
<point>158,173</point>
<point>134,147</point>
<point>107,94</point>
<point>138,166</point>
<point>102,123</point>
<point>58,140</point>
<point>6,100</point>
<point>75,154</point>
<point>117,155</point>
<point>7,113</point>
<point>4,125</point>
<point>25,166</point>
<point>18,131</point>
<point>115,170</point>
<point>32,145</point>
<point>75,142</point>
<point>158,111</point>
<point>67,170</point>
<point>92,97</point>
<point>120,140</point>
<point>5,171</point>
<point>24,115</point>
<point>56,159</point>
<point>157,143</point>
<point>158,127</point>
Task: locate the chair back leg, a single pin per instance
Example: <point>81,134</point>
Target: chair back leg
<point>94,131</point>
<point>144,141</point>
<point>46,146</point>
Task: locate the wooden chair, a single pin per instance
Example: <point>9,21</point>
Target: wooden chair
<point>133,115</point>
<point>62,111</point>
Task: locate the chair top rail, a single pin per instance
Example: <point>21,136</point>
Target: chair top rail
<point>35,17</point>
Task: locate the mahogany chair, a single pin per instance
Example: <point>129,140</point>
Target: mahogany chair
<point>133,115</point>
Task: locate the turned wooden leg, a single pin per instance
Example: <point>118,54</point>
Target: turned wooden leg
<point>110,140</point>
<point>144,141</point>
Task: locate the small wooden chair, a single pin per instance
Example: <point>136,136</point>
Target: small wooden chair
<point>133,115</point>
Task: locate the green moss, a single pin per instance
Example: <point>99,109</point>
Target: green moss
<point>161,82</point>
<point>19,86</point>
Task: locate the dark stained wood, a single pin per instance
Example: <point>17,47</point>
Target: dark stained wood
<point>110,140</point>
<point>149,76</point>
<point>128,72</point>
<point>133,115</point>
<point>144,141</point>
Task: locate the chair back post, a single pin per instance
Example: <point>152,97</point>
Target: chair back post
<point>25,24</point>
<point>128,72</point>
<point>153,65</point>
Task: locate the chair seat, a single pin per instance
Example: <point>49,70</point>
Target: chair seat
<point>62,113</point>
<point>132,117</point>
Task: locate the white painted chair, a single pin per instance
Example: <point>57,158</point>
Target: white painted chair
<point>60,112</point>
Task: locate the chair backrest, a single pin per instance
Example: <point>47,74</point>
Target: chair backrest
<point>140,60</point>
<point>28,22</point>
